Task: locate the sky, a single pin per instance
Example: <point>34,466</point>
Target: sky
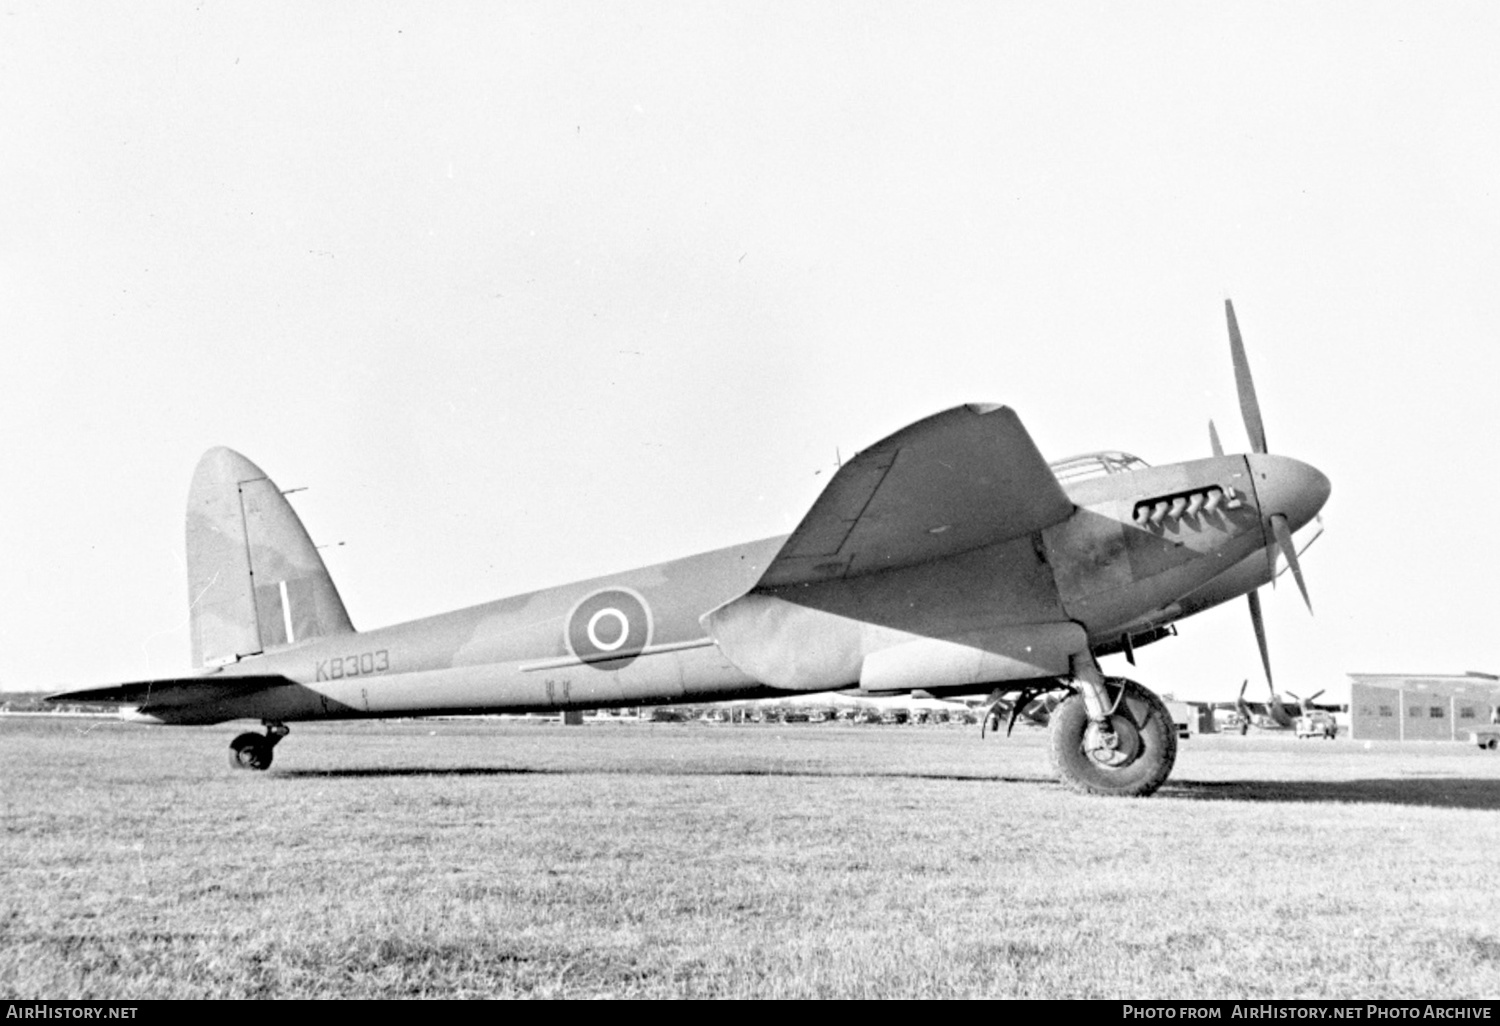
<point>524,293</point>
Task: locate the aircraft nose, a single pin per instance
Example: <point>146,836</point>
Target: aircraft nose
<point>1290,487</point>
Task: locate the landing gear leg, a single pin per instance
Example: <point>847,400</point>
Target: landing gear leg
<point>1100,739</point>
<point>1112,736</point>
<point>253,751</point>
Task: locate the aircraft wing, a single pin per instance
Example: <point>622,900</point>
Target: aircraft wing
<point>958,480</point>
<point>175,691</point>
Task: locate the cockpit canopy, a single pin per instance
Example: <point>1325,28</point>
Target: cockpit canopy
<point>1095,464</point>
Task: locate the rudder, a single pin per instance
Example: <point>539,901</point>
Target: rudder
<point>255,580</point>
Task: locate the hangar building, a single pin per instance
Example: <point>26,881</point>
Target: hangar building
<point>1421,706</point>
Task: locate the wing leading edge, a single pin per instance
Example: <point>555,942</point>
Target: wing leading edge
<point>958,480</point>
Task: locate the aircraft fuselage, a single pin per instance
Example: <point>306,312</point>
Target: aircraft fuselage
<point>1141,549</point>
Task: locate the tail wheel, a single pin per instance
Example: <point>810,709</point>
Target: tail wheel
<point>1144,749</point>
<point>250,751</point>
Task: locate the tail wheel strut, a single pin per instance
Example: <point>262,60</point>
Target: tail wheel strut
<point>253,751</point>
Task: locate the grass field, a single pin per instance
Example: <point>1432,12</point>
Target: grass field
<point>489,859</point>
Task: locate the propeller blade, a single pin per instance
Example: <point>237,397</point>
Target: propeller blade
<point>1260,636</point>
<point>1213,439</point>
<point>1249,405</point>
<point>1317,533</point>
<point>1289,550</point>
<point>1246,716</point>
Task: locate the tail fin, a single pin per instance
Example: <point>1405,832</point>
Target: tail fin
<point>255,581</point>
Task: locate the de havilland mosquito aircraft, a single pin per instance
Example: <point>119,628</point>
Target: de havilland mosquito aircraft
<point>948,557</point>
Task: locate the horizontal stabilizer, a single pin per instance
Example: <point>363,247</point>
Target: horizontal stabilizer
<point>175,691</point>
<point>958,480</point>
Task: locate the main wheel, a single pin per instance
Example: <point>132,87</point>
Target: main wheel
<point>1142,758</point>
<point>250,751</point>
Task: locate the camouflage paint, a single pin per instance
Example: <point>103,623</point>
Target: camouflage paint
<point>740,622</point>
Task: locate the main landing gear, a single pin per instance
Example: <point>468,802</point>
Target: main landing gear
<point>253,751</point>
<point>1112,737</point>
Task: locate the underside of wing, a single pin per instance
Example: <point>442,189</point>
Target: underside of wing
<point>174,692</point>
<point>964,478</point>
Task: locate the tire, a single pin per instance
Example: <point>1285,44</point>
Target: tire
<point>251,752</point>
<point>1148,738</point>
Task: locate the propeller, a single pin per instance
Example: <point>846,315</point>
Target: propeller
<point>1306,703</point>
<point>1289,549</point>
<point>1239,703</point>
<point>1260,635</point>
<point>1280,529</point>
<point>1249,405</point>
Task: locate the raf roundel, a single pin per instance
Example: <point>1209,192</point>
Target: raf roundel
<point>608,629</point>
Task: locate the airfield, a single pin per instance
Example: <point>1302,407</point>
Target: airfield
<point>504,858</point>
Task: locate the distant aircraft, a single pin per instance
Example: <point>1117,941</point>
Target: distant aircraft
<point>1270,716</point>
<point>1310,703</point>
<point>1010,706</point>
<point>948,557</point>
<point>1274,714</point>
<point>831,705</point>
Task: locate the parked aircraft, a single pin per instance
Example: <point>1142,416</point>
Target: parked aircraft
<point>1009,707</point>
<point>1273,714</point>
<point>948,557</point>
<point>1310,703</point>
<point>836,705</point>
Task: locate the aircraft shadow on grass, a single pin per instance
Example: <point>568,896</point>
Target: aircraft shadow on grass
<point>641,771</point>
<point>367,772</point>
<point>1432,792</point>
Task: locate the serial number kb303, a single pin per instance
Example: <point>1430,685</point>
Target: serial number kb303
<point>360,665</point>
